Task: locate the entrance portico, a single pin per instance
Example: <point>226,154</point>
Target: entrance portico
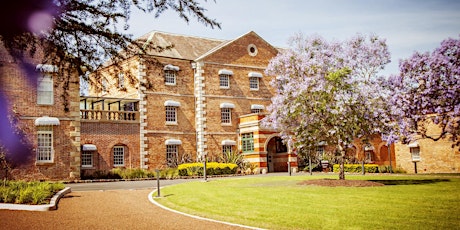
<point>263,147</point>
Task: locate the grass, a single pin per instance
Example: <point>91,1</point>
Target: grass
<point>21,192</point>
<point>412,202</point>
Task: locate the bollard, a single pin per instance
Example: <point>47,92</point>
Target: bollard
<point>289,167</point>
<point>158,182</point>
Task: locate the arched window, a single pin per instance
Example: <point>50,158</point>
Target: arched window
<point>119,156</point>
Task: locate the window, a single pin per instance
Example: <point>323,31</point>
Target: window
<point>415,152</point>
<point>105,86</point>
<point>255,110</point>
<point>45,87</point>
<point>254,83</point>
<point>369,155</point>
<point>171,114</point>
<point>171,155</point>
<point>118,156</point>
<point>45,144</point>
<point>226,115</point>
<point>87,159</point>
<point>224,81</point>
<point>320,151</point>
<point>121,80</point>
<point>170,77</point>
<point>227,149</point>
<point>247,142</point>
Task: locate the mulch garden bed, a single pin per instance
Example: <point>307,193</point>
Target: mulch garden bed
<point>340,183</point>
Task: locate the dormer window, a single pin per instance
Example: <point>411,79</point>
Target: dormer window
<point>170,73</point>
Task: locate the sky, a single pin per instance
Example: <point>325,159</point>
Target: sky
<point>407,25</point>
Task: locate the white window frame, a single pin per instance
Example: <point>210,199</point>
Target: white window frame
<point>226,148</point>
<point>254,83</point>
<point>45,90</point>
<point>118,156</point>
<point>256,110</point>
<point>171,115</point>
<point>172,153</point>
<point>87,160</point>
<point>415,153</point>
<point>45,150</point>
<point>369,155</point>
<point>170,76</point>
<point>320,151</point>
<point>226,116</point>
<point>224,81</point>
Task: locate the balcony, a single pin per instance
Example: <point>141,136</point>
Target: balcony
<point>113,116</point>
<point>103,109</point>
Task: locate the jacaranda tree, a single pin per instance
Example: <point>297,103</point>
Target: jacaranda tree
<point>329,91</point>
<point>427,91</point>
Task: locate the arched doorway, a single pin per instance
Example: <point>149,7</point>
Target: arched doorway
<point>277,155</point>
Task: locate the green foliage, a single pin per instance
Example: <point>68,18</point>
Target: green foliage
<point>171,173</point>
<point>21,192</point>
<point>130,173</point>
<point>356,168</point>
<point>212,168</point>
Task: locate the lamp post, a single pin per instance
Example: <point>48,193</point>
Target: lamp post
<point>204,168</point>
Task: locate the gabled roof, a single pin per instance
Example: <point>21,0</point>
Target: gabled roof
<point>224,44</point>
<point>184,46</point>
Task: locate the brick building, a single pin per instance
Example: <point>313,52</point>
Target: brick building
<point>201,97</point>
<point>42,128</point>
<point>191,96</point>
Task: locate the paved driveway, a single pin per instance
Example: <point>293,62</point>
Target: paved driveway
<point>110,205</point>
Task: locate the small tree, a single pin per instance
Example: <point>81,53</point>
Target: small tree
<point>427,90</point>
<point>329,91</point>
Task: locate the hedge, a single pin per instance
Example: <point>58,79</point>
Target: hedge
<point>212,168</point>
<point>356,168</point>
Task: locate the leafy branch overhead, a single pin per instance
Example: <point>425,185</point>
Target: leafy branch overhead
<point>83,32</point>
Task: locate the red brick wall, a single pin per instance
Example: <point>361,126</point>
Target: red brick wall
<point>18,86</point>
<point>106,135</point>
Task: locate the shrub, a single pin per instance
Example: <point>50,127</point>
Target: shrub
<point>212,168</point>
<point>356,168</point>
<point>21,192</point>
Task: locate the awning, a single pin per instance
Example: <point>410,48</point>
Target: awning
<point>258,107</point>
<point>225,71</point>
<point>173,142</point>
<point>45,121</point>
<point>171,67</point>
<point>368,148</point>
<point>172,103</point>
<point>255,74</point>
<point>227,105</point>
<point>228,142</point>
<point>46,68</point>
<point>89,147</point>
<point>413,145</point>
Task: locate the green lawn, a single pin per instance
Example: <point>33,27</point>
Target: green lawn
<point>279,202</point>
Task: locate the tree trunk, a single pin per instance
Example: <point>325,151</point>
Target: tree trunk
<point>342,161</point>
